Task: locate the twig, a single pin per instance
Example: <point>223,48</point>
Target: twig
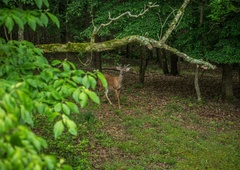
<point>128,13</point>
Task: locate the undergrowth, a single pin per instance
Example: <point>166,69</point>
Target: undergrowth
<point>173,136</point>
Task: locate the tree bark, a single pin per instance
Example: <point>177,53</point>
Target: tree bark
<point>202,12</point>
<point>164,62</point>
<point>227,82</point>
<point>97,57</point>
<point>20,31</point>
<point>197,84</point>
<point>174,65</point>
<point>144,63</point>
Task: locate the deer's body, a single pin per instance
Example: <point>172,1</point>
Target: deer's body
<point>115,83</point>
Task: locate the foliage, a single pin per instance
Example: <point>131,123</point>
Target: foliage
<point>10,15</point>
<point>220,9</point>
<point>217,39</point>
<point>124,26</point>
<point>30,85</point>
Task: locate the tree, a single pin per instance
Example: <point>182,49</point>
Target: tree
<point>30,85</point>
<point>214,38</point>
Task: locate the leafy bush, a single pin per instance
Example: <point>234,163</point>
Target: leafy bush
<point>29,86</point>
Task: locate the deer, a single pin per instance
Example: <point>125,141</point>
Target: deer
<point>115,83</point>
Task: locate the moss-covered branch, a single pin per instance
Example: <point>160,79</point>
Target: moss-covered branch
<point>113,44</point>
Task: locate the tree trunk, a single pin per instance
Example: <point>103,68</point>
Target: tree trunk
<point>164,62</point>
<point>174,65</point>
<point>202,12</point>
<point>144,63</point>
<point>20,31</point>
<point>196,83</point>
<point>159,58</point>
<point>97,57</point>
<point>227,82</point>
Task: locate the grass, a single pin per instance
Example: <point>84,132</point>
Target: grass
<point>157,128</point>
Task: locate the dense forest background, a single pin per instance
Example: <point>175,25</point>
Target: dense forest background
<point>208,31</point>
<point>36,86</point>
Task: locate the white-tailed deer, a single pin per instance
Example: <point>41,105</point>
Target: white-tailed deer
<point>115,83</point>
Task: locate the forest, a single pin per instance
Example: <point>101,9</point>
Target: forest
<point>119,84</point>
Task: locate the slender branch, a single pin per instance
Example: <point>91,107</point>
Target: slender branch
<point>175,21</point>
<point>128,13</point>
<point>163,24</point>
<point>5,33</point>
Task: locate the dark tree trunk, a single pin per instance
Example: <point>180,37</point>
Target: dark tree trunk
<point>174,65</point>
<point>20,31</point>
<point>159,58</point>
<point>164,62</point>
<point>196,83</point>
<point>202,12</point>
<point>97,57</point>
<point>144,63</point>
<point>227,82</point>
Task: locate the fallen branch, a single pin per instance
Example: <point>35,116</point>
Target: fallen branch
<point>113,44</point>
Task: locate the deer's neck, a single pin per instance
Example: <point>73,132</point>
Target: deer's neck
<point>120,78</point>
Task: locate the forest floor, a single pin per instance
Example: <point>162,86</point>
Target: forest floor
<point>161,125</point>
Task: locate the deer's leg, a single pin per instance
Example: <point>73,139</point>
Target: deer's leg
<point>118,97</point>
<point>106,94</point>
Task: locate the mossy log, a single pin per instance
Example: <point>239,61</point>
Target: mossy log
<point>116,43</point>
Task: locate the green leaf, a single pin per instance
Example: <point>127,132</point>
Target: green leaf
<point>93,96</point>
<point>72,127</point>
<point>85,81</point>
<point>65,90</point>
<point>19,21</point>
<point>65,74</point>
<point>56,95</point>
<point>52,115</point>
<point>25,99</point>
<point>73,107</point>
<point>47,75</point>
<point>57,83</point>
<point>66,167</point>
<point>77,79</point>
<point>102,79</point>
<point>9,23</point>
<point>10,104</point>
<point>78,73</point>
<point>38,3</point>
<point>75,95</point>
<point>35,142</point>
<point>58,107</point>
<point>66,66</point>
<point>58,129</point>
<point>46,3</point>
<point>32,22</point>
<point>92,81</point>
<point>66,109</point>
<point>50,162</point>
<point>56,62</point>
<point>32,82</point>
<point>83,99</point>
<point>41,108</point>
<point>44,19</point>
<point>54,19</point>
<point>26,115</point>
